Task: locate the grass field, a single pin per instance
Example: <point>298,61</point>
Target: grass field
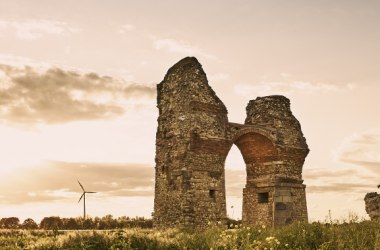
<point>345,235</point>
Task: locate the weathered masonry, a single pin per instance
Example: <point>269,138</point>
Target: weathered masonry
<point>372,205</point>
<point>192,142</point>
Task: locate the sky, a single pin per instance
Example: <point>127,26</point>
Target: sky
<point>78,95</point>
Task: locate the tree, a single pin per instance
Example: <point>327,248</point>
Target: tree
<point>89,223</point>
<point>53,222</point>
<point>29,224</point>
<point>109,222</point>
<point>70,224</point>
<point>10,223</point>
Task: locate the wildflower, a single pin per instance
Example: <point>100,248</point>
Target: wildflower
<point>286,244</point>
<point>248,228</point>
<point>263,226</point>
<point>270,238</point>
<point>259,231</point>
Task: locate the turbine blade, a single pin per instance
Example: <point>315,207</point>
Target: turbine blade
<point>81,197</point>
<point>81,185</point>
<point>91,192</point>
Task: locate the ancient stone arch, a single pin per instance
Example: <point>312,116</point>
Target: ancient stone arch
<point>192,142</point>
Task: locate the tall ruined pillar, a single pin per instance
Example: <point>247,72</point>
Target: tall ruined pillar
<point>190,149</point>
<point>274,193</point>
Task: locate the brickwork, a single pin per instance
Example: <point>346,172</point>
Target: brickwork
<point>192,142</point>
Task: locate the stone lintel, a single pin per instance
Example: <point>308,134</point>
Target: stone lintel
<point>272,183</point>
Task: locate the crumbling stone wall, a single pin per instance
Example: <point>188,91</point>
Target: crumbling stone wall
<point>372,205</point>
<point>192,142</point>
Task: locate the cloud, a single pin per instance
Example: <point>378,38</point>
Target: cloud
<point>362,150</point>
<point>288,85</point>
<point>235,182</point>
<point>347,180</point>
<point>35,28</point>
<point>20,61</point>
<point>287,88</point>
<point>58,181</point>
<point>126,28</point>
<point>218,77</point>
<point>317,174</point>
<point>175,46</point>
<point>58,96</point>
<point>340,188</point>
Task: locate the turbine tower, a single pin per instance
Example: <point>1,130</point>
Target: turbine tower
<point>84,199</point>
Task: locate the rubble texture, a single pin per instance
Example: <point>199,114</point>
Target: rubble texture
<point>192,142</point>
<point>372,205</point>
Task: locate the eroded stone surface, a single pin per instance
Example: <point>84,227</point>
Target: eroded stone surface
<point>192,142</point>
<point>372,205</point>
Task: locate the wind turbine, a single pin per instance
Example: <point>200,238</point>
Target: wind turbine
<point>84,199</point>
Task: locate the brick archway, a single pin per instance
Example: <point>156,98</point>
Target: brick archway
<point>193,139</point>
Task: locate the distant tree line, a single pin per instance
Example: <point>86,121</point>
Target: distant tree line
<point>96,223</point>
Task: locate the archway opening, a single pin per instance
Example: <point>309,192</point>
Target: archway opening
<point>249,148</point>
<point>235,180</point>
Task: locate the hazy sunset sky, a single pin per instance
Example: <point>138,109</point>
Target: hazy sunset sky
<point>78,95</point>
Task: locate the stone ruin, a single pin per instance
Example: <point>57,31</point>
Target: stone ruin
<point>372,205</point>
<point>193,139</point>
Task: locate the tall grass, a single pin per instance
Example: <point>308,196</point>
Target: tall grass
<point>350,234</point>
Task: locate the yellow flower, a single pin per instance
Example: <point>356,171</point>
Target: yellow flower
<point>270,238</point>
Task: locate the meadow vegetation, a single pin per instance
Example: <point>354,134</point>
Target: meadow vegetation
<point>349,234</point>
